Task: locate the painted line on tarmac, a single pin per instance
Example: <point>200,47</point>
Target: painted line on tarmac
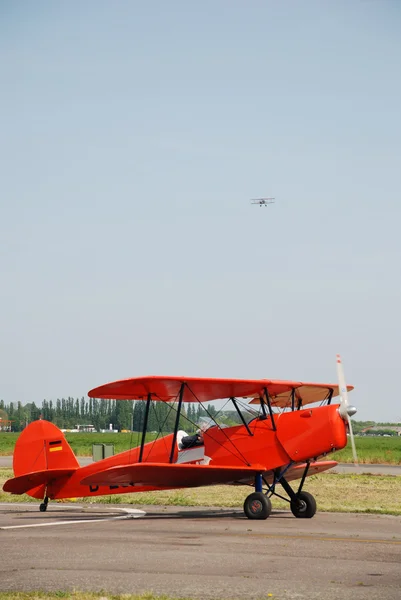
<point>132,513</point>
<point>34,505</point>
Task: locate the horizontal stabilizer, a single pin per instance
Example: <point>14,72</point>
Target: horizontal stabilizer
<point>171,475</point>
<point>24,483</point>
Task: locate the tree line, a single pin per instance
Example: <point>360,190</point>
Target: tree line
<point>69,412</point>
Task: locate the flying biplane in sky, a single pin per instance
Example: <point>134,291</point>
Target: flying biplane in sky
<point>263,201</point>
<point>295,426</point>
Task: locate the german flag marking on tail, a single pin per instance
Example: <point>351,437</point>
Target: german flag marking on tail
<point>55,446</point>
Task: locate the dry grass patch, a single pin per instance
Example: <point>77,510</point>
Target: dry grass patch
<point>81,596</point>
<point>95,596</point>
<point>333,493</point>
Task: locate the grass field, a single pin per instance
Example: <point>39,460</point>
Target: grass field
<point>333,493</point>
<point>371,450</point>
<point>81,443</point>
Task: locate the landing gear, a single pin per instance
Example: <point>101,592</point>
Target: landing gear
<point>257,506</point>
<point>303,506</point>
<point>43,506</point>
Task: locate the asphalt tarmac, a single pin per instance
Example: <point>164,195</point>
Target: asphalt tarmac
<point>199,553</point>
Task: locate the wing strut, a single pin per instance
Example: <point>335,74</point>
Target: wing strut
<point>241,416</point>
<point>269,406</point>
<point>177,419</point>
<point>263,407</point>
<point>145,426</point>
<point>305,473</point>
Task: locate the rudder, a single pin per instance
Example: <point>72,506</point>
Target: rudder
<point>42,446</point>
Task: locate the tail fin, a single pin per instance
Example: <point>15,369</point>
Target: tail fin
<point>41,454</point>
<point>42,446</point>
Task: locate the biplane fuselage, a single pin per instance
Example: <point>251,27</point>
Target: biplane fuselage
<point>299,436</point>
<point>272,448</point>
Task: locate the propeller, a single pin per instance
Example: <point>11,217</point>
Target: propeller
<point>346,411</point>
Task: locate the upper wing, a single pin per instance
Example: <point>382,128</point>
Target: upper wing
<point>208,389</point>
<point>168,388</point>
<point>170,475</point>
<point>305,393</point>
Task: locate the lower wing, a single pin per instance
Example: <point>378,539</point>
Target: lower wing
<point>294,472</point>
<point>171,475</point>
<point>190,475</point>
<point>297,471</point>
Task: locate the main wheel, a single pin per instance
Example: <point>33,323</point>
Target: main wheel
<point>304,507</point>
<point>257,506</point>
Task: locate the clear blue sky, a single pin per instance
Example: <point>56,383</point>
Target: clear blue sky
<point>132,137</point>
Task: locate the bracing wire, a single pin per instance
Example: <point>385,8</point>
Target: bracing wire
<point>241,456</point>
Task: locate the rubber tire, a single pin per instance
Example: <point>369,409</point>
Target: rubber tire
<point>257,506</point>
<point>43,507</point>
<point>308,508</point>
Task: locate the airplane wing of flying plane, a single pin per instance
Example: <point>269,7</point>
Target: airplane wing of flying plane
<point>282,442</point>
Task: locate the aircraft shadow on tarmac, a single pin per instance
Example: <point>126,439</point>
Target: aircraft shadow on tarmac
<point>208,514</point>
<point>73,516</point>
<point>69,514</point>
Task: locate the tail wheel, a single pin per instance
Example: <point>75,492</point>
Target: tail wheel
<point>257,506</point>
<point>43,506</point>
<point>304,507</point>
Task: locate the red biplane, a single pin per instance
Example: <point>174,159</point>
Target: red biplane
<point>283,442</point>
